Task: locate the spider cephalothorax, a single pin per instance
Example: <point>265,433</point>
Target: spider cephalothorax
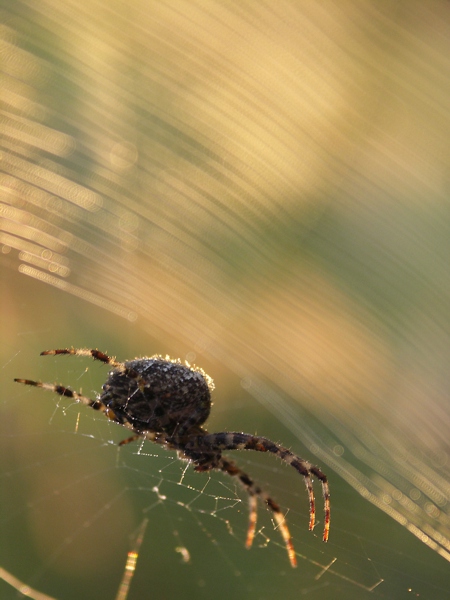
<point>167,402</point>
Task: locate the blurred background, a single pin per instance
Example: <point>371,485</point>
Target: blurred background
<point>261,188</point>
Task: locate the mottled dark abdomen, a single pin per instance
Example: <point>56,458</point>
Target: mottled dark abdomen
<point>164,396</point>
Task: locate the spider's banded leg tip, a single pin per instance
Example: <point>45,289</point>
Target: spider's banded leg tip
<point>25,381</point>
<point>291,554</point>
<point>250,537</point>
<point>250,533</point>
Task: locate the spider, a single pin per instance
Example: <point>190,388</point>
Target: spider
<point>166,402</point>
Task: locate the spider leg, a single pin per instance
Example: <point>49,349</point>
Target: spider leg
<point>96,354</point>
<point>63,391</point>
<point>97,405</point>
<point>255,491</point>
<point>245,441</point>
<point>326,499</point>
<point>131,439</point>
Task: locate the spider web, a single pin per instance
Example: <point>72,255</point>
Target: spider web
<point>140,508</point>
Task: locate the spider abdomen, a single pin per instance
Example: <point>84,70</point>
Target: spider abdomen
<point>164,395</point>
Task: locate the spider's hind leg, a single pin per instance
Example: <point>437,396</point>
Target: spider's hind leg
<point>245,441</point>
<point>254,491</point>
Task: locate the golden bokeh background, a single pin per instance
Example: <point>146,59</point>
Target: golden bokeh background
<point>262,188</point>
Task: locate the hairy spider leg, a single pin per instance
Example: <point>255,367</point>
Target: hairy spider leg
<point>63,391</point>
<point>245,441</point>
<point>326,499</point>
<point>255,491</point>
<point>95,354</point>
<point>102,357</point>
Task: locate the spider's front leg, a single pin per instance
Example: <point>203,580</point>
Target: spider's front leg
<point>61,390</point>
<point>96,355</point>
